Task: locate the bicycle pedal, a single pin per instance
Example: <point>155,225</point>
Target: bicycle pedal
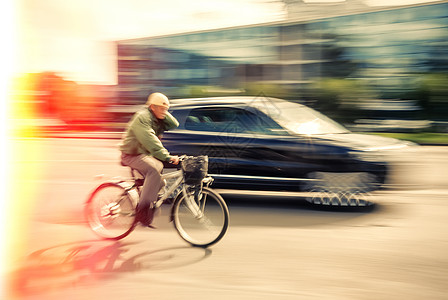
<point>149,226</point>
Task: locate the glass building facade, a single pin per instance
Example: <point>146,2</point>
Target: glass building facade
<point>386,49</point>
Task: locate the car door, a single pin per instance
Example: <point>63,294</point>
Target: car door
<point>223,133</point>
<point>239,141</point>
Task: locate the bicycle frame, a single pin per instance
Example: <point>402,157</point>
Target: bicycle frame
<point>173,186</point>
<point>178,175</point>
<point>111,212</point>
<point>192,205</point>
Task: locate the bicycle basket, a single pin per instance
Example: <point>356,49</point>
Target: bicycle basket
<point>195,169</point>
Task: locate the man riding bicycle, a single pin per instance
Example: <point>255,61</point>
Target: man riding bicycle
<point>142,149</point>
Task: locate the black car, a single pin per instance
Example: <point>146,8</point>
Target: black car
<point>259,143</point>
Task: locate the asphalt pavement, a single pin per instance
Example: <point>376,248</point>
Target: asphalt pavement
<point>278,246</point>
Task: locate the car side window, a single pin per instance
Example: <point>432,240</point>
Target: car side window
<point>201,120</point>
<point>213,119</point>
<point>231,120</point>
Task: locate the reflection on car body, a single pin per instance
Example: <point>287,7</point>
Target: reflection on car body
<point>273,144</point>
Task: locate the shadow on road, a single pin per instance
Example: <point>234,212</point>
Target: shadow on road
<point>87,262</point>
<point>286,211</point>
<point>290,202</point>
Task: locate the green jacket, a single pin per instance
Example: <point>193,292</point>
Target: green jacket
<point>143,132</point>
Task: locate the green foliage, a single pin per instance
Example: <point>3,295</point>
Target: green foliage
<point>432,94</point>
<point>249,89</point>
<point>199,91</point>
<point>436,86</point>
<point>269,90</point>
<point>337,93</point>
<point>424,138</point>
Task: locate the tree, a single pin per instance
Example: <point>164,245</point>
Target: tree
<point>339,97</point>
<point>432,94</point>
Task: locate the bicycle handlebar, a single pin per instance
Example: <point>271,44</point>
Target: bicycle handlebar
<point>182,157</point>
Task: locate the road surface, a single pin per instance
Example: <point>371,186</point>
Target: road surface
<point>278,246</point>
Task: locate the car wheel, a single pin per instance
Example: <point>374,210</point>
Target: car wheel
<point>340,189</point>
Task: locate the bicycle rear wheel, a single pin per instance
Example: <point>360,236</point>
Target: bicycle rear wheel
<point>110,211</point>
<point>201,223</point>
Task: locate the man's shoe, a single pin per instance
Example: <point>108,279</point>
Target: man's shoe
<point>145,215</point>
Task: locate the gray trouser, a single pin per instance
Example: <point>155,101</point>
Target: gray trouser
<point>151,168</point>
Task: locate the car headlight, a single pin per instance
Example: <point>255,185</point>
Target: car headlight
<point>391,153</point>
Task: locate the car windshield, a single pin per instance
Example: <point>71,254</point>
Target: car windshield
<point>300,119</point>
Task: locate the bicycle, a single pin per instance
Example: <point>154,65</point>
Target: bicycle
<point>199,214</point>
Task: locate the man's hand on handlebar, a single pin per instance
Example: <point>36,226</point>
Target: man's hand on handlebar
<point>174,160</point>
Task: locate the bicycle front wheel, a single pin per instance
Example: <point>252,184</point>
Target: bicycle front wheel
<point>110,211</point>
<point>201,222</point>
